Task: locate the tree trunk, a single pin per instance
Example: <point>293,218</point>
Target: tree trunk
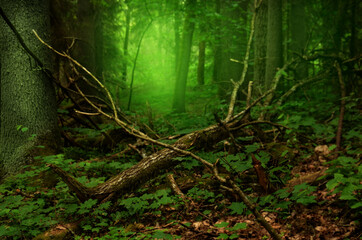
<point>201,63</point>
<point>177,24</point>
<point>27,94</point>
<point>298,30</point>
<point>231,47</point>
<point>125,43</point>
<point>98,43</point>
<point>274,51</point>
<point>217,44</point>
<point>184,55</point>
<point>260,36</point>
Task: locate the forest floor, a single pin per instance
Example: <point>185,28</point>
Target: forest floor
<point>328,219</point>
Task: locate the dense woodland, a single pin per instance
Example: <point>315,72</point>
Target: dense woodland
<point>180,119</point>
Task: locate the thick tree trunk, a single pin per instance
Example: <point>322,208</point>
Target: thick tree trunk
<point>184,55</point>
<point>274,53</point>
<point>27,94</point>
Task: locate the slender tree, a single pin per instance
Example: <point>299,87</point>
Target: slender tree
<point>202,48</point>
<point>28,107</point>
<point>98,41</point>
<point>126,40</point>
<point>177,23</point>
<point>217,43</point>
<point>184,55</point>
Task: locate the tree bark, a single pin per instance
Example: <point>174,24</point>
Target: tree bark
<point>274,53</point>
<point>231,46</point>
<point>260,36</point>
<point>27,94</point>
<point>217,45</point>
<point>298,30</point>
<point>98,42</point>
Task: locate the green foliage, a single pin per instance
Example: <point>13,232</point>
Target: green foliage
<point>346,174</point>
<point>237,208</point>
<point>231,230</point>
<point>302,194</point>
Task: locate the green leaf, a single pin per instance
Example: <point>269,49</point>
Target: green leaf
<point>347,192</point>
<point>332,147</point>
<point>89,203</point>
<point>239,226</point>
<point>237,207</point>
<point>161,235</point>
<point>356,205</point>
<point>305,200</point>
<point>206,212</point>
<point>223,236</point>
<point>234,236</point>
<point>282,193</point>
<point>252,148</point>
<point>222,224</point>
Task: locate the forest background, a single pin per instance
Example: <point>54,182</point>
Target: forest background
<point>195,119</point>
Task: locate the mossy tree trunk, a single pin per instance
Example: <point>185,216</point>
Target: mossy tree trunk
<point>27,94</point>
<point>261,21</point>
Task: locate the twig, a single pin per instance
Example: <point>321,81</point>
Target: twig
<point>245,69</point>
<point>248,96</point>
<point>276,80</point>
<point>178,191</point>
<point>83,68</point>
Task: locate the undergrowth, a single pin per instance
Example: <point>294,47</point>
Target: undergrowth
<point>35,201</point>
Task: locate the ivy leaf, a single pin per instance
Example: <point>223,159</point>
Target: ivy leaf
<point>162,235</point>
<point>347,192</point>
<point>237,207</point>
<point>239,226</point>
<point>89,203</point>
<point>223,236</point>
<point>251,148</point>
<point>222,224</point>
